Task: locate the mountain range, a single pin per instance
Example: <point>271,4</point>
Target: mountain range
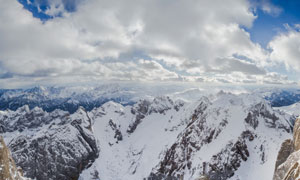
<point>133,136</point>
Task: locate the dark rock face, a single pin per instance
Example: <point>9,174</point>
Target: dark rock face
<point>140,110</point>
<point>251,119</point>
<point>178,156</point>
<point>161,177</point>
<point>223,164</point>
<point>118,133</point>
<point>24,118</point>
<point>55,146</point>
<point>206,126</point>
<point>261,110</point>
<point>146,107</point>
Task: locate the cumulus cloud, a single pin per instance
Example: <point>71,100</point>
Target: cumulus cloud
<point>286,49</point>
<point>162,41</point>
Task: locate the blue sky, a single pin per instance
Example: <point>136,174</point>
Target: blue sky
<point>233,41</point>
<point>266,26</point>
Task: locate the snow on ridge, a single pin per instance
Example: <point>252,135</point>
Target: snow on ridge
<point>162,121</point>
<point>140,152</point>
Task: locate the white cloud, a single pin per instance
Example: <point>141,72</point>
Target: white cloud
<point>182,41</point>
<point>267,7</point>
<point>286,49</point>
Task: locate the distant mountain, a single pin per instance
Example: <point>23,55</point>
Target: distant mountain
<point>90,97</point>
<point>109,132</point>
<point>280,97</point>
<point>65,98</point>
<point>293,109</point>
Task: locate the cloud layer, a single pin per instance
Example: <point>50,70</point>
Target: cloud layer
<point>140,40</point>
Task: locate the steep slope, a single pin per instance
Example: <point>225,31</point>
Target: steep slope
<point>291,109</point>
<point>49,146</point>
<point>221,137</point>
<point>146,128</point>
<point>8,169</point>
<point>227,138</point>
<point>288,160</point>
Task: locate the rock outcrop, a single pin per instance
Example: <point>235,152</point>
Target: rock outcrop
<point>50,146</point>
<point>8,168</point>
<point>220,137</point>
<point>288,160</point>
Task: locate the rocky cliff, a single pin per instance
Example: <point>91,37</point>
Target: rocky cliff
<point>49,146</point>
<point>288,160</point>
<point>218,137</point>
<point>8,168</point>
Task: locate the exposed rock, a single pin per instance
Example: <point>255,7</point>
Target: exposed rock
<point>8,168</point>
<point>223,165</point>
<point>161,177</point>
<point>293,172</point>
<point>296,135</point>
<point>287,165</point>
<point>283,170</point>
<point>285,150</point>
<point>145,107</point>
<point>177,158</point>
<point>51,146</point>
<point>209,124</point>
<point>140,110</point>
<point>118,135</point>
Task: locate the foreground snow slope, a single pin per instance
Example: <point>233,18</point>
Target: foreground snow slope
<point>223,137</point>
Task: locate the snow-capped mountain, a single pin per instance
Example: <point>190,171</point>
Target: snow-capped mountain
<point>280,96</point>
<point>65,98</point>
<point>49,146</point>
<point>293,109</point>
<point>70,98</point>
<point>221,136</point>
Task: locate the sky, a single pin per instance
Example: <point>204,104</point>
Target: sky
<point>232,42</point>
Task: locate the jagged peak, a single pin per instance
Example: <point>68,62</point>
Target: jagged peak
<point>24,108</point>
<point>112,104</point>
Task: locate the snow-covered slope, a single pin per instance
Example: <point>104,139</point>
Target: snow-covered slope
<point>49,146</point>
<point>220,136</point>
<point>293,109</point>
<point>223,137</point>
